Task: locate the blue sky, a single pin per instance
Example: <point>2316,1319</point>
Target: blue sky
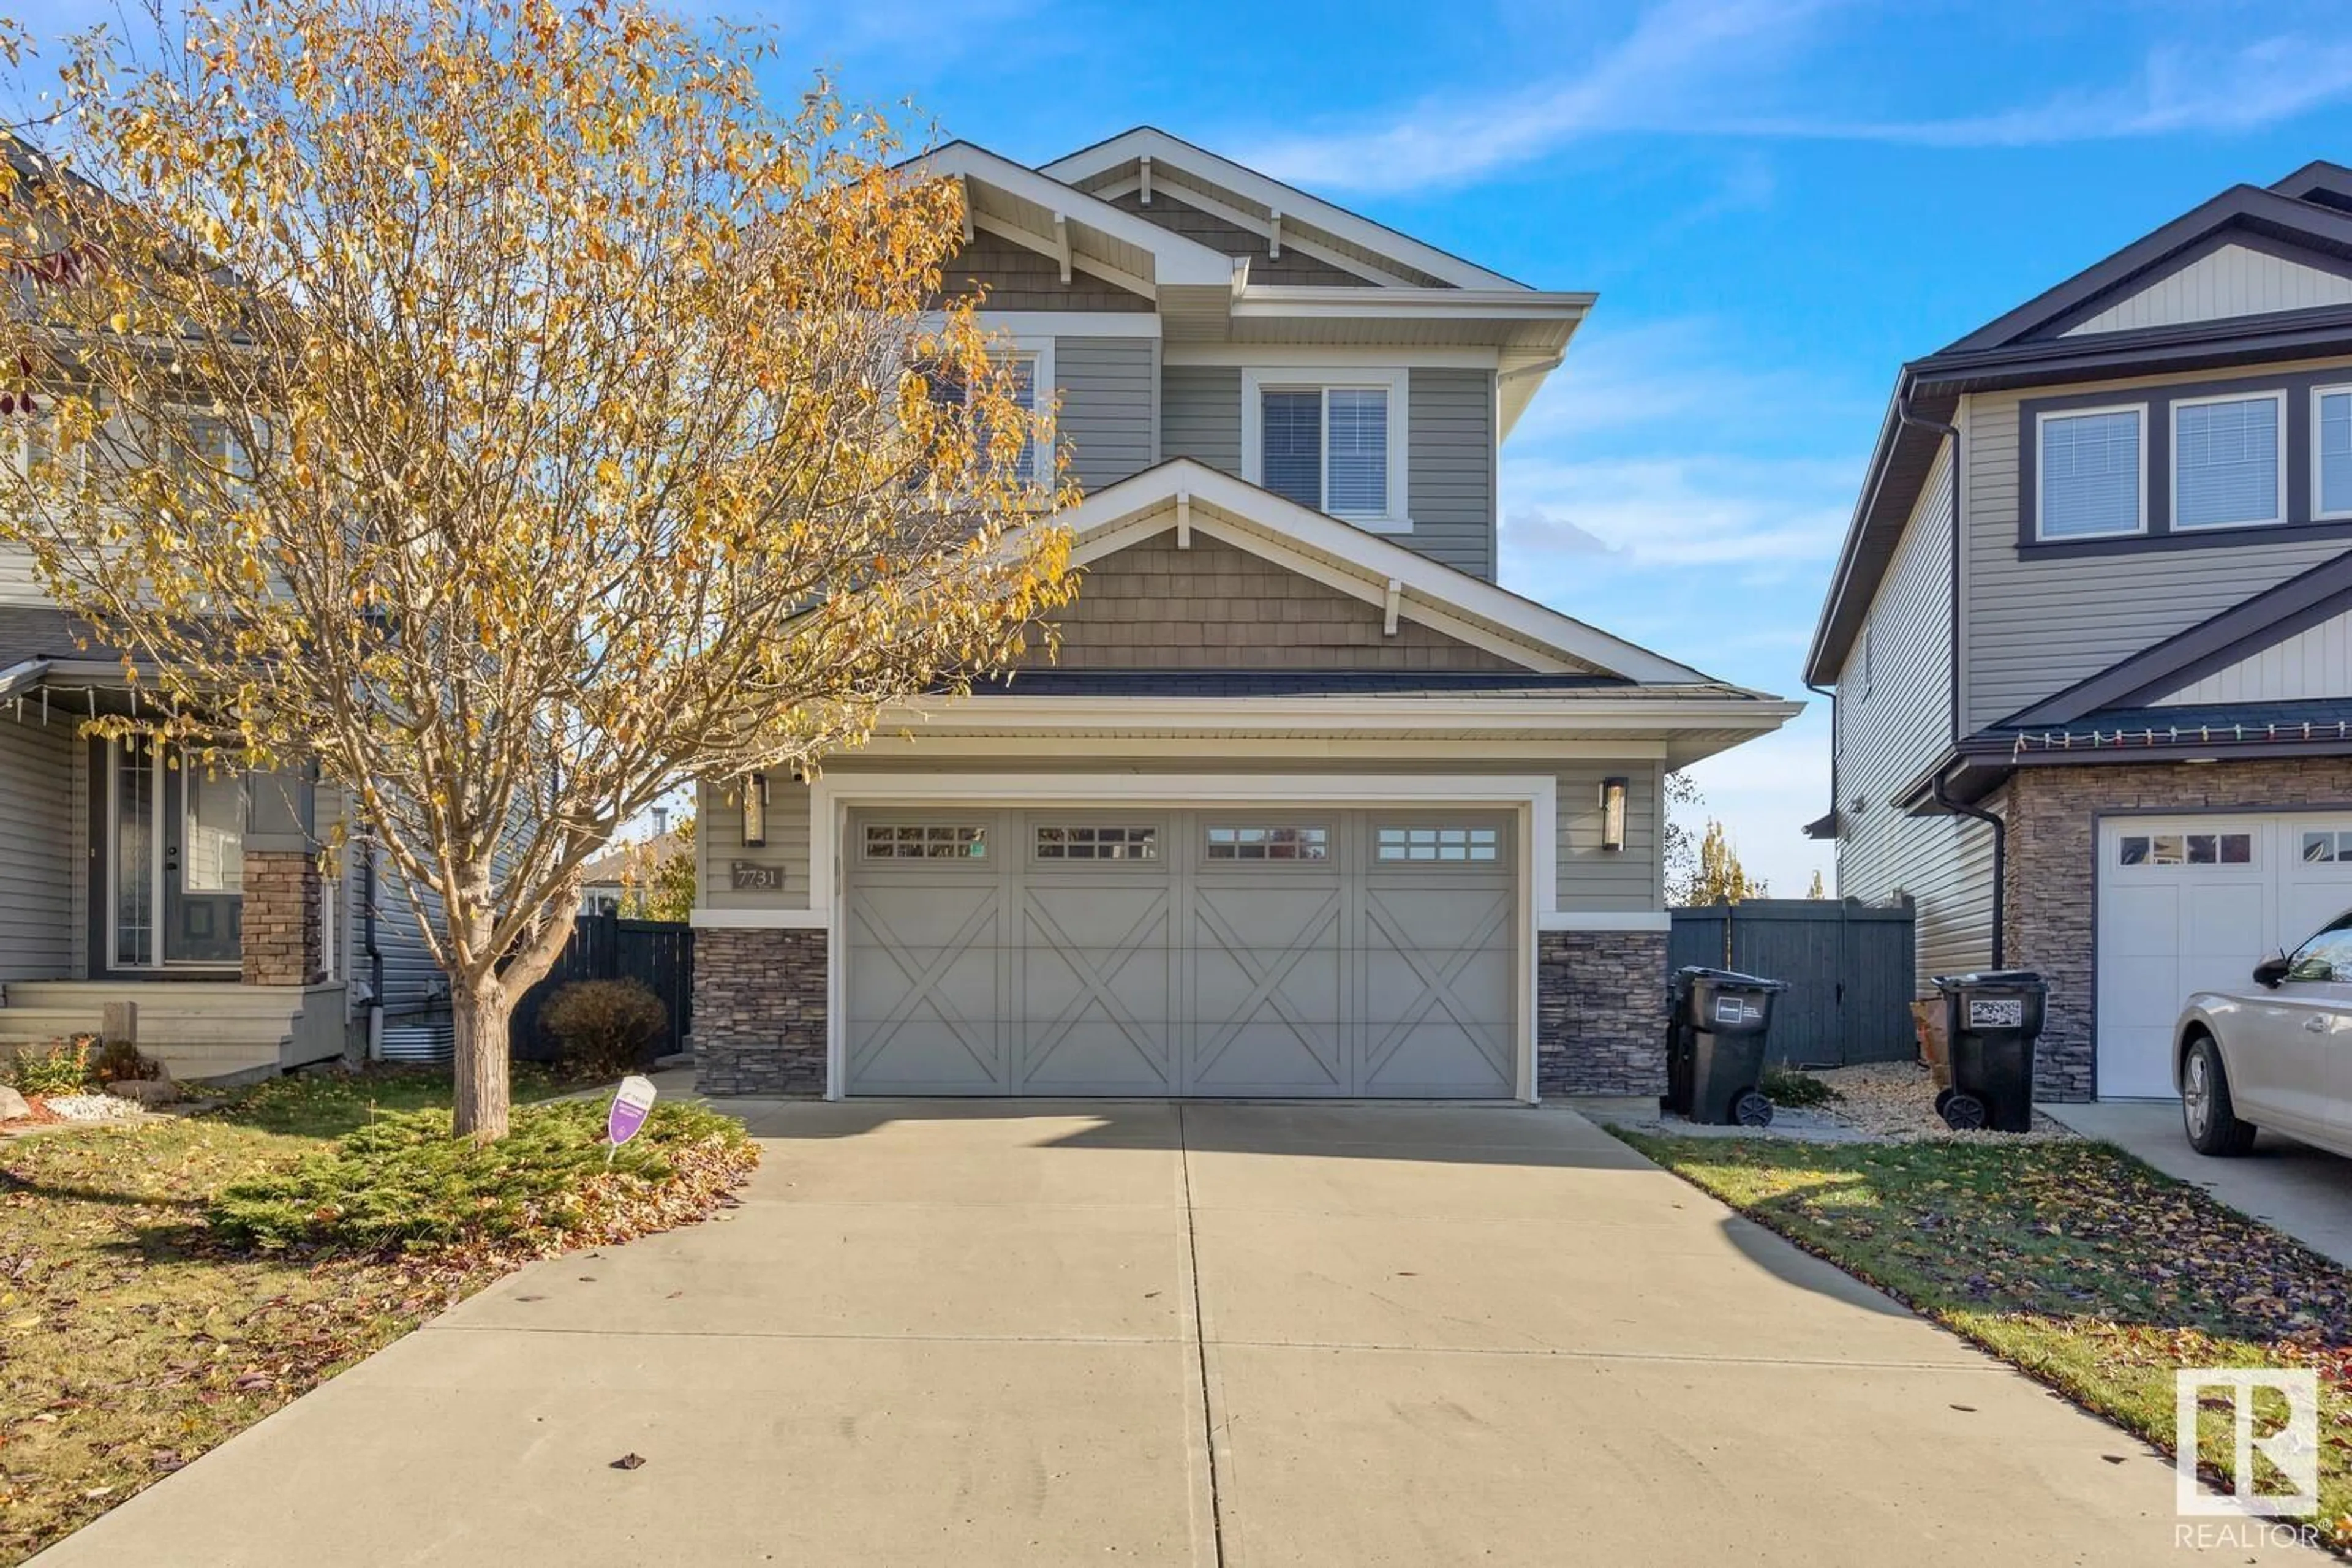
<point>1778,205</point>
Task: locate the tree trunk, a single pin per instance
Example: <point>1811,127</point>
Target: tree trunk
<point>480,1008</point>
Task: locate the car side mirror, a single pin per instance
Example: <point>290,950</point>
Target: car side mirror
<point>2272,970</point>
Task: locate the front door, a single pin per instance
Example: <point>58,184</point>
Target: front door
<point>174,860</point>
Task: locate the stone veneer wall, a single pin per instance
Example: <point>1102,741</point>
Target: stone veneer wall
<point>2050,916</point>
<point>285,940</point>
<point>1601,1011</point>
<point>759,1011</point>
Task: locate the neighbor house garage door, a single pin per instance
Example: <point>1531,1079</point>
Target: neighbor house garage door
<point>1244,952</point>
<point>2191,903</point>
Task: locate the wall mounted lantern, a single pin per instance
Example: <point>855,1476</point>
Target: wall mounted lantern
<point>1612,814</point>
<point>755,812</point>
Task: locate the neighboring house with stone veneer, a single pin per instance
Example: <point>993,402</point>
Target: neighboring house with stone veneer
<point>2091,630</point>
<point>1306,805</point>
<point>126,876</point>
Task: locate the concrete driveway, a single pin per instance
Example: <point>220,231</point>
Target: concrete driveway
<point>998,1334</point>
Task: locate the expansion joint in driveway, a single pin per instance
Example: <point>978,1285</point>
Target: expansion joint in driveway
<point>1201,1345</point>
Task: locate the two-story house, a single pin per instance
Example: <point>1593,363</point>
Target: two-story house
<point>1308,803</point>
<point>2090,634</point>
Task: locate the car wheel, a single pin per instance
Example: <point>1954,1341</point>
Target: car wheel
<point>2206,1113</point>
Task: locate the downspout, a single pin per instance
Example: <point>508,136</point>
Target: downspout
<point>2000,856</point>
<point>374,953</point>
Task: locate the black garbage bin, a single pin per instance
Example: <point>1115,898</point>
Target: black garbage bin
<point>1992,1021</point>
<point>1715,1045</point>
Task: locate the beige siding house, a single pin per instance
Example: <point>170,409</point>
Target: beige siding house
<point>2094,702</point>
<point>1304,804</point>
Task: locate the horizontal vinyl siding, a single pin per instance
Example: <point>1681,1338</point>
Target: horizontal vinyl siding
<point>1106,415</point>
<point>411,980</point>
<point>718,842</point>
<point>1630,881</point>
<point>1201,415</point>
<point>1892,727</point>
<point>1450,470</point>
<point>2036,627</point>
<point>38,865</point>
<point>18,584</point>
<point>1592,878</point>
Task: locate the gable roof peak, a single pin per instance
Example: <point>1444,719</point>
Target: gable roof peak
<point>2320,182</point>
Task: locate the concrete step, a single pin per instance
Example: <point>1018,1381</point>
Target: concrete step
<point>217,1064</point>
<point>157,1000</point>
<point>20,1025</point>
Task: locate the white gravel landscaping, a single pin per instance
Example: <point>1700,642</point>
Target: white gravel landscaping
<point>1878,1102</point>
<point>91,1107</point>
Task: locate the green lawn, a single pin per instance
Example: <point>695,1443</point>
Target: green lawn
<point>131,1342</point>
<point>2071,1260</point>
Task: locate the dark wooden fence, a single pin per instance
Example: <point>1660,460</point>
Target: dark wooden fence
<point>606,947</point>
<point>1849,968</point>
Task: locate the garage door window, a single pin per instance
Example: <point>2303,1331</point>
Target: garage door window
<point>2321,847</point>
<point>2188,849</point>
<point>1091,843</point>
<point>1436,844</point>
<point>927,841</point>
<point>1289,843</point>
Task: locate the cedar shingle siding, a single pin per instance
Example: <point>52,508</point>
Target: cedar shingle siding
<point>1019,279</point>
<point>1218,235</point>
<point>1154,607</point>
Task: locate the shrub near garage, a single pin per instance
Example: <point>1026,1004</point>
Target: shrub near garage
<point>602,1028</point>
<point>403,1183</point>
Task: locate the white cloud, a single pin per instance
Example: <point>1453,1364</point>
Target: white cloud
<point>1649,81</point>
<point>1687,65</point>
<point>2180,90</point>
<point>1764,793</point>
<point>1671,512</point>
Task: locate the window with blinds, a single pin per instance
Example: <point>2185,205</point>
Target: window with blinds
<point>2331,459</point>
<point>2091,474</point>
<point>2227,461</point>
<point>1326,447</point>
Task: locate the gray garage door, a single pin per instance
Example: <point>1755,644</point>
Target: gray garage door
<point>1242,952</point>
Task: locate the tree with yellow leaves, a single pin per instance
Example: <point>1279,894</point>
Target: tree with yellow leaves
<point>1721,879</point>
<point>496,407</point>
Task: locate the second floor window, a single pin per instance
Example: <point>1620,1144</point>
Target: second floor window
<point>2228,461</point>
<point>2091,473</point>
<point>1335,445</point>
<point>2331,462</point>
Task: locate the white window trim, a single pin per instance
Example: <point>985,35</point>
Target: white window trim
<point>1256,380</point>
<point>2042,473</point>
<point>2172,463</point>
<point>2319,512</point>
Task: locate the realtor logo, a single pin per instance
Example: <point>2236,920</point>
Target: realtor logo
<point>2262,1464</point>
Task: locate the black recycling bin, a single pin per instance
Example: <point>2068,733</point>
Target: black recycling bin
<point>1991,1022</point>
<point>1714,1047</point>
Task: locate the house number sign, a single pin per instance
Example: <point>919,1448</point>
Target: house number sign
<point>756,877</point>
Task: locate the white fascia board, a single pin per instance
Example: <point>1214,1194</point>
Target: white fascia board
<point>1425,583</point>
<point>756,919</point>
<point>19,676</point>
<point>1605,920</point>
<point>1514,714</point>
<point>1175,259</point>
<point>1382,357</point>
<point>1167,152</point>
<point>1283,301</point>
<point>1070,323</point>
<point>1183,194</point>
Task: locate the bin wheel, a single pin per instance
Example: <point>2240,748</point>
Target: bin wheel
<point>1965,1114</point>
<point>1752,1109</point>
<point>1943,1099</point>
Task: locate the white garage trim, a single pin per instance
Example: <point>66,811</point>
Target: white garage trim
<point>1603,920</point>
<point>830,796</point>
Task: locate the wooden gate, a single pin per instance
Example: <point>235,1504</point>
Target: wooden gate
<point>1848,966</point>
<point>605,947</point>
